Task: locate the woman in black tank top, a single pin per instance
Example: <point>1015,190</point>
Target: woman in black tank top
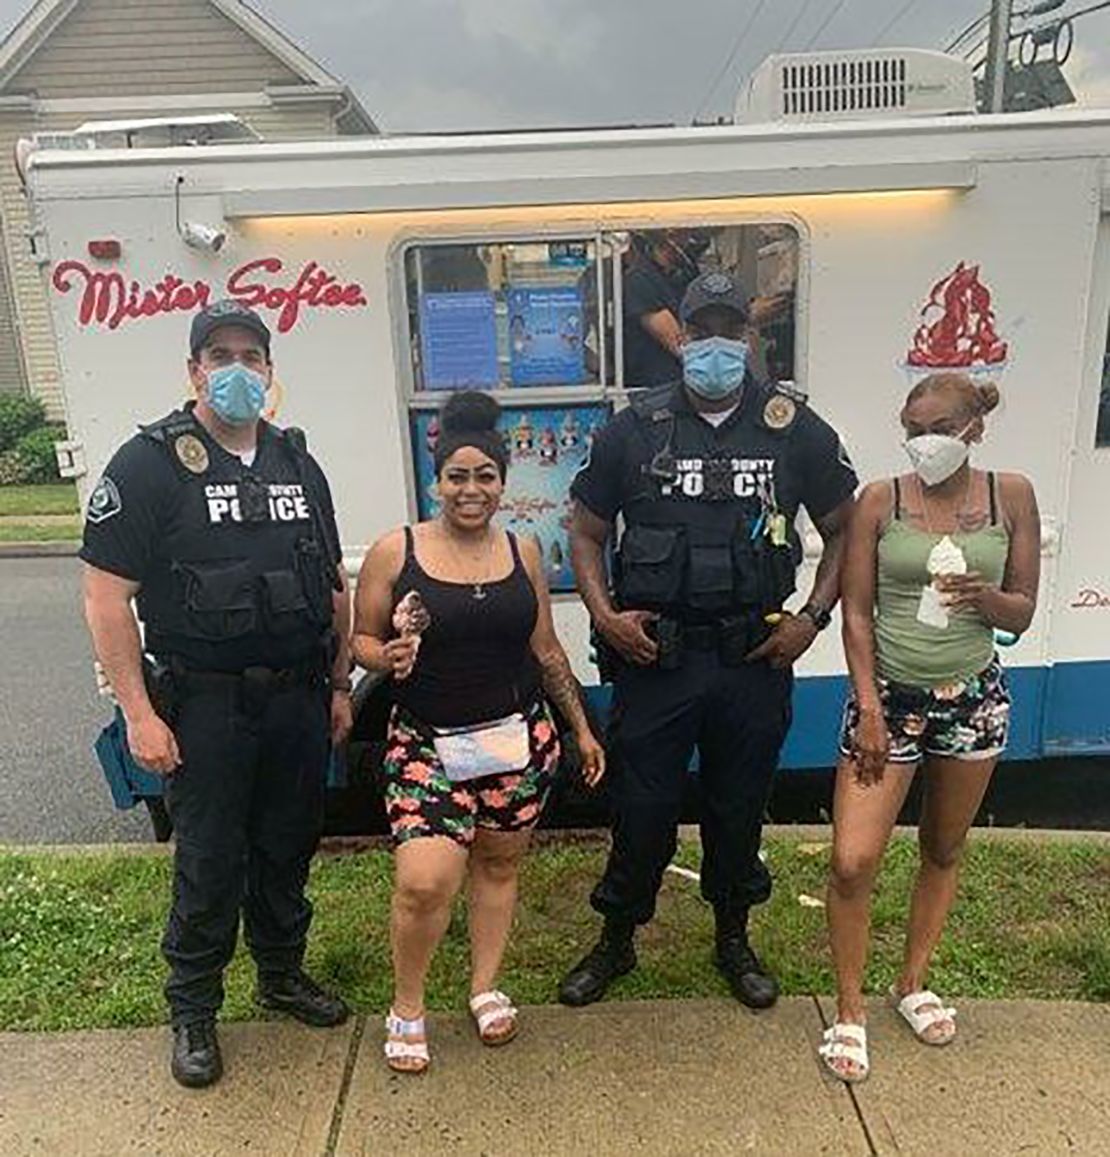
<point>457,612</point>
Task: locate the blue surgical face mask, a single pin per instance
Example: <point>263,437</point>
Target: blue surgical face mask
<point>236,394</point>
<point>714,367</point>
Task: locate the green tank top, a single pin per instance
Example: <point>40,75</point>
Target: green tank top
<point>909,651</point>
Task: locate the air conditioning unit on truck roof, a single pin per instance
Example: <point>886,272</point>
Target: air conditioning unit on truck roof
<point>886,82</point>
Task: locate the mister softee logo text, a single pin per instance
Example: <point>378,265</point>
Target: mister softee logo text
<point>108,299</point>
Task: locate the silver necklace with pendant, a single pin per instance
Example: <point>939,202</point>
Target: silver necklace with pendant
<point>478,588</point>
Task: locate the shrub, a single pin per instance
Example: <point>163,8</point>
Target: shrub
<point>19,415</point>
<point>11,468</point>
<point>35,452</point>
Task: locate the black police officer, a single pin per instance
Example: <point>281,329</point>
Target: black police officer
<point>221,527</point>
<point>708,475</point>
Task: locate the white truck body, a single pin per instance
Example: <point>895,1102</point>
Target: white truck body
<point>884,212</point>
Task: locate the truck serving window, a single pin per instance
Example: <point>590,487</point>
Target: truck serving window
<point>559,329</point>
<point>503,315</point>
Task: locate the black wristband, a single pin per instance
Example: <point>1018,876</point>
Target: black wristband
<point>819,616</point>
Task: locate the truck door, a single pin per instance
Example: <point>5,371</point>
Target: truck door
<point>1076,718</point>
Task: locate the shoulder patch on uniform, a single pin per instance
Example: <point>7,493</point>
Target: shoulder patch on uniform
<point>792,391</point>
<point>104,502</point>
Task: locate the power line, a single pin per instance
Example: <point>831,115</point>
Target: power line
<point>970,30</point>
<point>895,19</point>
<point>747,27</point>
<point>1087,11</point>
<point>833,13</point>
<point>794,24</point>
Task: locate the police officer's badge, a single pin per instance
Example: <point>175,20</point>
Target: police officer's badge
<point>779,411</point>
<point>104,502</point>
<point>191,453</point>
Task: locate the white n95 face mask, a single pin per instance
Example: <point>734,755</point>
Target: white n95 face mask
<point>936,457</point>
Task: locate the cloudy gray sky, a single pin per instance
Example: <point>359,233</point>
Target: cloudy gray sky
<point>423,65</point>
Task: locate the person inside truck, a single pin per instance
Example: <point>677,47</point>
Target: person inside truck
<point>659,266</point>
<point>221,527</point>
<point>456,612</point>
<point>936,561</point>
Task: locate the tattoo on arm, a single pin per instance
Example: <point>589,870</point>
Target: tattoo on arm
<point>562,687</point>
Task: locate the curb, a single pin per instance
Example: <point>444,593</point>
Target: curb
<point>39,549</point>
<point>346,845</point>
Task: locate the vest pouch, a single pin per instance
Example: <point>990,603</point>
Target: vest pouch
<point>316,581</point>
<point>710,583</point>
<point>285,606</point>
<point>747,569</point>
<point>652,565</point>
<point>781,573</point>
<point>219,597</point>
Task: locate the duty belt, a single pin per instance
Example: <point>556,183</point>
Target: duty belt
<point>700,636</point>
<point>256,685</point>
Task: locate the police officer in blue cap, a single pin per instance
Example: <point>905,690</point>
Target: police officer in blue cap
<point>708,474</point>
<point>220,527</point>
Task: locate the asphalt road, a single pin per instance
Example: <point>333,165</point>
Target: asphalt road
<point>51,789</point>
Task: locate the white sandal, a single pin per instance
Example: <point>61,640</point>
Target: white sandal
<point>847,1042</point>
<point>401,1045</point>
<point>490,1009</point>
<point>921,1011</point>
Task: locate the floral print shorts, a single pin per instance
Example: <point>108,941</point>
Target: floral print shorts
<point>968,720</point>
<point>421,801</point>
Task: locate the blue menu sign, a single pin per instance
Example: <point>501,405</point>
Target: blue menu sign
<point>545,336</point>
<point>458,340</point>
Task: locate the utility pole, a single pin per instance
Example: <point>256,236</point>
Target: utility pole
<point>998,55</point>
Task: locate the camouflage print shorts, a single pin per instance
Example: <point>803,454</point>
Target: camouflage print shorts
<point>422,801</point>
<point>969,720</point>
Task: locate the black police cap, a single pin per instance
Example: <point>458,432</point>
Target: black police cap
<point>221,313</point>
<point>713,288</point>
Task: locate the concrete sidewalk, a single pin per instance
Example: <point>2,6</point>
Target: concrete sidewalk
<point>660,1077</point>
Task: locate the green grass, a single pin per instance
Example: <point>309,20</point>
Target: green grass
<point>27,501</point>
<point>79,934</point>
<point>40,532</point>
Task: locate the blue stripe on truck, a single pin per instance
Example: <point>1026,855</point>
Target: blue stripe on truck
<point>1060,710</point>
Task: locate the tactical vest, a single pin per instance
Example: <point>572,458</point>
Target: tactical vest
<point>707,544</point>
<point>248,569</point>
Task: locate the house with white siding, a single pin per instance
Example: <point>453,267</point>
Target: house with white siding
<point>73,61</point>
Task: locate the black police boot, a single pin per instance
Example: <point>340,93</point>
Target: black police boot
<point>750,982</point>
<point>196,1061</point>
<point>297,994</point>
<point>612,956</point>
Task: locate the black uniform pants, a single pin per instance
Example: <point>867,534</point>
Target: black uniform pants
<point>737,719</point>
<point>247,806</point>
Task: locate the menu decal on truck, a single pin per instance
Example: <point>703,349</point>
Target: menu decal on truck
<point>108,299</point>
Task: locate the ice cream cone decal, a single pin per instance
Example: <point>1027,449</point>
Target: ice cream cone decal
<point>958,327</point>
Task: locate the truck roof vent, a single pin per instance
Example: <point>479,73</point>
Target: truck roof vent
<point>857,84</point>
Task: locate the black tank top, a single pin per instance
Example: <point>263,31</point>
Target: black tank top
<point>475,662</point>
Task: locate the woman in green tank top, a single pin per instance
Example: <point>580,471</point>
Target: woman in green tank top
<point>935,563</point>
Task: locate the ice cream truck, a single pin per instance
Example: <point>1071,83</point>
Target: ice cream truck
<point>893,231</point>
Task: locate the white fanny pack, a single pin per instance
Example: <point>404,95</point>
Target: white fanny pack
<point>502,747</point>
